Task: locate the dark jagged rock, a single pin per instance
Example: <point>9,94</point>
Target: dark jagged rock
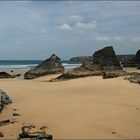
<point>114,74</point>
<point>103,60</point>
<point>4,122</point>
<point>39,135</point>
<point>89,66</point>
<point>1,135</point>
<point>136,59</point>
<point>134,78</point>
<point>4,100</point>
<point>7,122</point>
<point>106,57</point>
<point>50,66</point>
<point>4,75</point>
<point>76,74</point>
<point>130,60</point>
<point>126,60</point>
<point>16,114</point>
<point>109,75</point>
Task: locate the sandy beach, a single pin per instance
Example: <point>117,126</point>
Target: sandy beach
<point>84,108</point>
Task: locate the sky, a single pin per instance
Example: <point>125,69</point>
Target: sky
<point>33,30</point>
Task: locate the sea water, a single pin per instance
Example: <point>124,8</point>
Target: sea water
<point>28,64</point>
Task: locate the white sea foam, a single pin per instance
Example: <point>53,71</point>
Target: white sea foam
<point>29,66</point>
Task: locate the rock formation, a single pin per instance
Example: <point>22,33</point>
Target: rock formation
<point>106,57</point>
<point>89,66</point>
<point>131,60</point>
<point>50,66</point>
<point>39,135</point>
<point>4,75</point>
<point>7,75</point>
<point>81,58</point>
<point>113,74</point>
<point>136,59</point>
<point>126,60</point>
<point>105,62</point>
<point>75,74</point>
<point>4,100</point>
<point>134,78</point>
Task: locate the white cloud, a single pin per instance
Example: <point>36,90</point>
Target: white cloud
<point>90,25</point>
<point>102,38</point>
<point>65,27</point>
<point>76,18</point>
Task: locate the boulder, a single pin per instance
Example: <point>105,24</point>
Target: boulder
<point>4,75</point>
<point>36,135</point>
<point>134,78</point>
<point>52,65</point>
<point>106,57</point>
<point>4,100</point>
<point>7,122</point>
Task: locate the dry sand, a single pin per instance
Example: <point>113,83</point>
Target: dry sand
<point>82,108</point>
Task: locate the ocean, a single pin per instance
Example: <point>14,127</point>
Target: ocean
<point>28,64</point>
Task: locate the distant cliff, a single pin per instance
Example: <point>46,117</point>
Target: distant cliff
<point>81,58</point>
<point>126,60</point>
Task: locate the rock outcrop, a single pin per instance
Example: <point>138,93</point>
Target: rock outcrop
<point>114,74</point>
<point>106,57</point>
<point>136,59</point>
<point>134,78</point>
<point>4,100</point>
<point>86,69</point>
<point>7,122</point>
<point>126,60</point>
<point>89,66</point>
<point>75,74</point>
<point>131,60</point>
<point>37,135</point>
<point>50,66</point>
<point>105,62</point>
<point>5,75</point>
<point>81,58</point>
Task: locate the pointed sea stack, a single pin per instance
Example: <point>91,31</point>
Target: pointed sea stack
<point>51,65</point>
<point>106,57</point>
